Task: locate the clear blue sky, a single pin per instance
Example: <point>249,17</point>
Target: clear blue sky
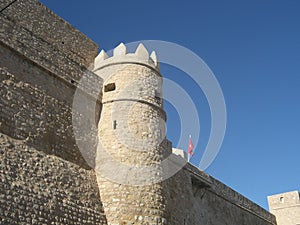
<point>253,48</point>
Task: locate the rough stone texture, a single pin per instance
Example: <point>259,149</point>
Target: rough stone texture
<point>36,188</point>
<point>30,34</point>
<point>197,198</point>
<point>39,78</point>
<point>286,207</point>
<point>29,23</point>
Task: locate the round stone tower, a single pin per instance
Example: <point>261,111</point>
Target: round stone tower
<point>132,141</point>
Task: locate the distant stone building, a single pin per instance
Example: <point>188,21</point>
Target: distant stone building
<point>286,208</point>
<point>46,179</point>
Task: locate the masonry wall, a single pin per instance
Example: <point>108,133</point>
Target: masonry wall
<point>42,60</point>
<point>43,177</point>
<point>197,198</point>
<point>28,23</point>
<point>37,188</point>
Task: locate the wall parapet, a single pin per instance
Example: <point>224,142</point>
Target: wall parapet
<point>228,194</point>
<point>33,17</point>
<point>41,52</point>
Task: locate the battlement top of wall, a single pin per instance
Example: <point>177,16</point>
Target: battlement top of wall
<point>121,56</point>
<point>46,30</point>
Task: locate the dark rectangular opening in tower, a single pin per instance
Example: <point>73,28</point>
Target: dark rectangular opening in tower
<point>110,87</point>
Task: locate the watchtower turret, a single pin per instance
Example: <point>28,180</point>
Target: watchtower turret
<point>286,207</point>
<point>131,135</point>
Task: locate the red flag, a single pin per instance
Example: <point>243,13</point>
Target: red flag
<point>191,147</point>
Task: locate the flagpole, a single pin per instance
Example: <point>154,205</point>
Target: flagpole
<point>189,156</point>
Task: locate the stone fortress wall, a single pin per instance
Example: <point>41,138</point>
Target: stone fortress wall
<point>43,177</point>
<point>42,59</point>
<point>38,188</point>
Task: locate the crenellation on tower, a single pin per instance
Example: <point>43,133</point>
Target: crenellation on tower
<point>121,56</point>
